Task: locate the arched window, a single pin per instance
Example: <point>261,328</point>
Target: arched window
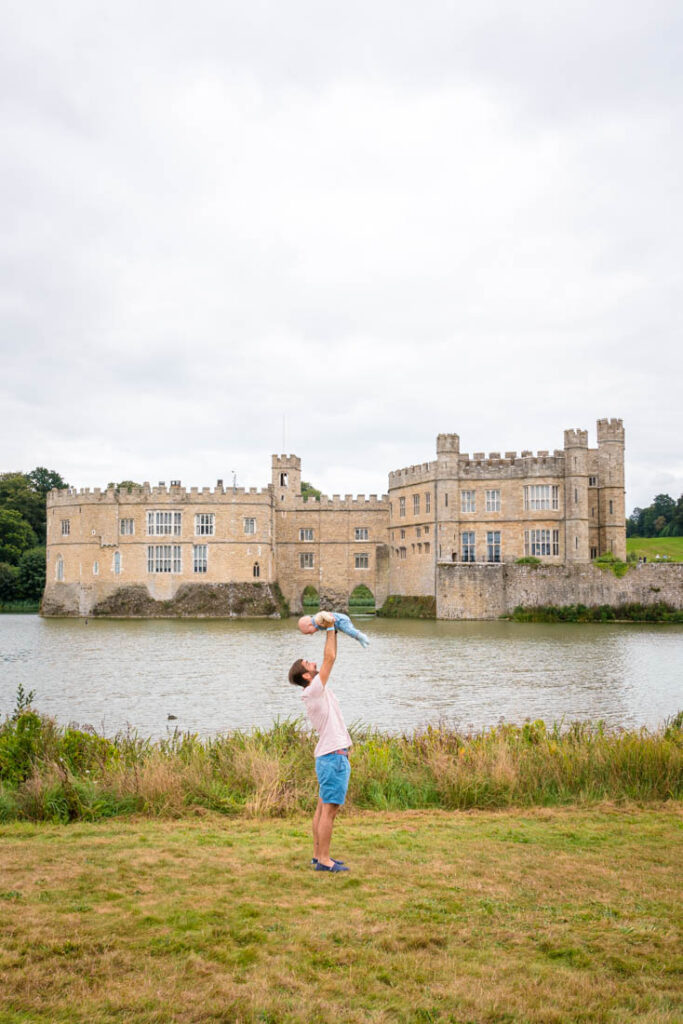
<point>256,570</point>
<point>283,479</point>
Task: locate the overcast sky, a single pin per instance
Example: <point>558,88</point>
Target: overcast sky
<point>378,220</point>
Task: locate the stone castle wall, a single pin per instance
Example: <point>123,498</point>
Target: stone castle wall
<point>489,591</point>
<point>99,542</point>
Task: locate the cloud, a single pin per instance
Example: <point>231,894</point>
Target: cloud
<point>377,221</point>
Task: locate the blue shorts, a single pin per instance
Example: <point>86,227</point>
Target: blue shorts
<point>333,771</point>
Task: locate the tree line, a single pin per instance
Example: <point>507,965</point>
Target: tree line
<point>663,518</point>
<point>23,527</point>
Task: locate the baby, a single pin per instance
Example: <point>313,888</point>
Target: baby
<point>341,622</point>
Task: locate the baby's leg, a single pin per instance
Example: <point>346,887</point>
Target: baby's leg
<point>346,626</point>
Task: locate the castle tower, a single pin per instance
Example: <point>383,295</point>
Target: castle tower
<point>611,487</point>
<point>286,480</point>
<point>577,546</point>
<point>447,504</point>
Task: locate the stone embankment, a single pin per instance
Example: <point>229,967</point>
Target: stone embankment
<point>191,601</point>
<point>486,591</point>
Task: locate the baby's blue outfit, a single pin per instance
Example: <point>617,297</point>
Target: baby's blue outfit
<point>343,624</point>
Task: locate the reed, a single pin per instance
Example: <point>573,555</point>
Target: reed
<point>54,773</point>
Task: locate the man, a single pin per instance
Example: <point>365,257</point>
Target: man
<point>332,751</point>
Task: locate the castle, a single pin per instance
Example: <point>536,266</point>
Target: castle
<point>157,550</point>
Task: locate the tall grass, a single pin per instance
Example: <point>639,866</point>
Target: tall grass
<point>63,774</point>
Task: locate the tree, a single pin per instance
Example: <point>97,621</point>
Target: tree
<point>17,495</point>
<point>16,536</point>
<point>32,573</point>
<point>43,480</point>
<point>124,485</point>
<point>309,491</point>
<point>9,582</point>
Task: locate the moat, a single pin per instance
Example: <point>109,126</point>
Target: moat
<point>220,675</point>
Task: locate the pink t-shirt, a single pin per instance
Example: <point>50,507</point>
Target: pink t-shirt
<point>324,714</point>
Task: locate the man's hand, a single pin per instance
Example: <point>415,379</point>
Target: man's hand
<point>329,655</point>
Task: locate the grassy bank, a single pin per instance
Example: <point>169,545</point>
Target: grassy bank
<point>21,607</point>
<point>539,917</point>
<point>60,774</point>
<point>398,606</point>
<point>650,547</point>
<point>632,612</point>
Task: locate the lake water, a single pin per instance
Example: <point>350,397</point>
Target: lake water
<point>220,675</point>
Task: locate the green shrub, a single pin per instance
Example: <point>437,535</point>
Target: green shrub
<point>529,560</point>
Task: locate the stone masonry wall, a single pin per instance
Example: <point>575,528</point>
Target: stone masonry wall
<point>489,591</point>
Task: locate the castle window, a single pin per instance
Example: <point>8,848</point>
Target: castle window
<point>467,545</point>
<point>200,557</point>
<point>127,527</point>
<point>493,501</point>
<point>445,499</point>
<point>161,524</point>
<point>256,571</point>
<point>306,533</point>
<point>96,568</point>
<point>117,562</point>
<point>576,496</point>
<point>362,562</point>
<point>164,558</point>
<point>306,560</point>
<point>401,506</point>
<point>418,531</point>
<point>594,552</point>
<point>493,546</point>
<point>428,501</point>
<point>403,534</point>
<point>468,501</point>
<point>204,524</point>
<point>593,482</point>
<point>283,479</point>
<point>250,526</point>
<point>537,542</point>
<point>426,530</point>
<point>611,508</point>
<point>66,527</point>
<point>402,553</point>
<point>419,549</point>
<point>59,569</point>
<point>416,504</point>
<point>541,496</point>
<point>427,547</point>
<point>360,533</point>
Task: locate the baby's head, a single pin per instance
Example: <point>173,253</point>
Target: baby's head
<point>306,624</point>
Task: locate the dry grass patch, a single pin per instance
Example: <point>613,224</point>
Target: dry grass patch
<point>550,916</point>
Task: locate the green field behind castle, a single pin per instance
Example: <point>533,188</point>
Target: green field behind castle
<point>650,547</point>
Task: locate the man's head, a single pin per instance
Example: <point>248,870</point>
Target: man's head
<point>306,624</point>
<point>303,672</point>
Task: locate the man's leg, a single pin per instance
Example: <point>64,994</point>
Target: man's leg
<point>328,812</point>
<point>316,824</point>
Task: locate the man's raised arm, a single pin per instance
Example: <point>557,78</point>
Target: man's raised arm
<point>329,654</point>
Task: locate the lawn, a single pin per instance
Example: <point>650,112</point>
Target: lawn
<point>649,547</point>
<point>546,915</point>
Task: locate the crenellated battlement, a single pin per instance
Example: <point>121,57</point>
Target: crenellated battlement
<point>576,438</point>
<point>349,503</point>
<point>146,495</point>
<point>610,430</point>
<point>413,474</point>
